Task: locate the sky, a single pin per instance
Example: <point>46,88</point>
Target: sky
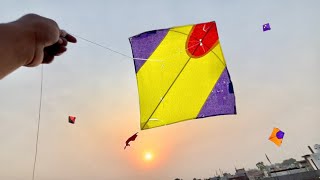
<point>274,73</point>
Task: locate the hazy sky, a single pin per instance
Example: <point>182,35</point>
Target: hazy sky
<point>275,76</point>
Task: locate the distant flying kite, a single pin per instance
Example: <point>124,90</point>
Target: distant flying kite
<point>266,27</point>
<point>72,119</point>
<point>184,76</point>
<point>132,138</point>
<point>276,136</point>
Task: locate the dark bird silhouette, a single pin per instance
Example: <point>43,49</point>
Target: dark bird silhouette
<point>132,138</point>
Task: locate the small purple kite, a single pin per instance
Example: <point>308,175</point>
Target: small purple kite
<point>266,27</point>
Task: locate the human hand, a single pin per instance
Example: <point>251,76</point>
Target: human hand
<point>57,48</point>
<point>48,40</point>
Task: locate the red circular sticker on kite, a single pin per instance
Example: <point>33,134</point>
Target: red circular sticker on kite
<point>202,38</point>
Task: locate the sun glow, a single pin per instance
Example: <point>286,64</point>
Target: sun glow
<point>148,156</point>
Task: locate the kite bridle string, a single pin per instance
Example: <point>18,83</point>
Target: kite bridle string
<point>38,129</point>
<point>173,82</point>
<point>222,62</point>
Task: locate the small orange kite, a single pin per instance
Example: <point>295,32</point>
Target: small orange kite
<point>276,136</point>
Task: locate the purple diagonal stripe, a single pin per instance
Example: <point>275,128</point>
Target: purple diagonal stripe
<point>221,100</point>
<point>144,44</point>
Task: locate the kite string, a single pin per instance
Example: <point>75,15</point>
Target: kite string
<point>114,51</point>
<point>38,129</point>
<point>109,49</point>
<point>143,59</point>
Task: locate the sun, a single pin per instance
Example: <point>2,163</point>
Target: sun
<point>148,156</point>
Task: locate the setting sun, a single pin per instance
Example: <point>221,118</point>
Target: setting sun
<point>148,156</point>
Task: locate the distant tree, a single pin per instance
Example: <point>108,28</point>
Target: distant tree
<point>260,166</point>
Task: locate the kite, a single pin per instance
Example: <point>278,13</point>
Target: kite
<point>183,77</point>
<point>132,138</point>
<point>72,119</point>
<point>276,136</point>
<point>266,27</point>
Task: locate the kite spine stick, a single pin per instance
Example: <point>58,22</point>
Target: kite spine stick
<point>165,95</point>
<point>172,84</point>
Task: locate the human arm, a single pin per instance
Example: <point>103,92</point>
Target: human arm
<point>30,41</point>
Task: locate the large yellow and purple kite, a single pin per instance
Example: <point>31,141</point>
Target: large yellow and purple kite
<point>184,75</point>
